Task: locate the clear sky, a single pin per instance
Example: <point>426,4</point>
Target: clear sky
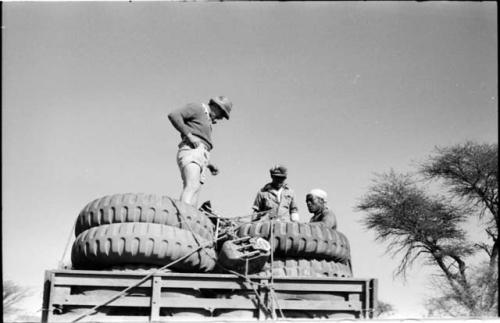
<point>335,91</point>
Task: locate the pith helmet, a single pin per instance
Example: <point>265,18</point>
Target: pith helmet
<point>224,103</point>
<point>278,171</point>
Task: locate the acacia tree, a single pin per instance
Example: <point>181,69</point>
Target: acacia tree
<point>419,225</point>
<point>470,172</point>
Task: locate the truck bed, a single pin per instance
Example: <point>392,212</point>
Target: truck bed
<point>175,296</point>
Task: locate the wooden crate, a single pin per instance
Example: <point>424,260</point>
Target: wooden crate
<point>69,293</point>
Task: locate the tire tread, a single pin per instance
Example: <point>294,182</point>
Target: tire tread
<point>303,240</point>
<point>146,208</point>
<point>140,243</point>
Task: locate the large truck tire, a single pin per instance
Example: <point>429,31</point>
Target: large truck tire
<point>146,208</point>
<point>330,315</point>
<point>140,243</point>
<point>240,314</point>
<point>304,240</point>
<point>333,297</point>
<point>292,267</point>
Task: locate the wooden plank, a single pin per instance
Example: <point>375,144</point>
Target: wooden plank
<point>177,282</point>
<point>320,280</point>
<point>99,281</point>
<point>317,281</point>
<point>66,318</point>
<point>190,281</point>
<point>239,285</point>
<point>88,273</point>
<point>310,287</point>
<point>366,299</point>
<point>319,305</point>
<point>62,272</point>
<point>133,301</point>
<point>196,276</point>
<point>207,279</point>
<point>196,284</point>
<point>155,299</point>
<point>203,284</point>
<point>213,303</point>
<point>373,297</point>
<point>48,287</point>
<point>177,302</point>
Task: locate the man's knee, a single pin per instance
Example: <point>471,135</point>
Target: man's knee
<point>191,174</point>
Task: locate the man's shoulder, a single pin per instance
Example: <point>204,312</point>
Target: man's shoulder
<point>328,211</point>
<point>265,188</point>
<point>288,189</point>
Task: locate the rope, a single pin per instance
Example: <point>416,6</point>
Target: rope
<point>201,246</point>
<point>234,219</point>
<point>245,277</point>
<point>216,228</point>
<point>123,292</point>
<point>275,298</point>
<point>271,283</point>
<point>61,262</point>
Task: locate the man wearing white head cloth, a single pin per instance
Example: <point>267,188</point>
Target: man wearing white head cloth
<point>316,204</point>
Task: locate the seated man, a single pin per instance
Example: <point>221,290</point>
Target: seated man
<point>276,200</point>
<point>316,204</point>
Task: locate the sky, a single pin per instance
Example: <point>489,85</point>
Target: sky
<point>335,91</point>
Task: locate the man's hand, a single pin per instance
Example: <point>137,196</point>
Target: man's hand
<point>193,140</point>
<point>213,169</point>
<point>294,217</point>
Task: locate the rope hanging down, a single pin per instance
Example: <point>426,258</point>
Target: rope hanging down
<point>123,292</point>
<point>61,262</point>
<point>245,277</point>
<point>274,299</point>
<point>202,246</point>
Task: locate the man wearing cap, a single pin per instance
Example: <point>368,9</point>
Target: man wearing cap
<point>276,201</point>
<point>316,204</point>
<point>194,122</point>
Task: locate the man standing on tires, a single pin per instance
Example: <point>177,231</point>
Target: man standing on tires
<point>276,201</point>
<point>316,204</point>
<point>194,122</point>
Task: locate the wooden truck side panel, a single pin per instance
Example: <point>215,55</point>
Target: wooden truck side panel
<point>70,293</point>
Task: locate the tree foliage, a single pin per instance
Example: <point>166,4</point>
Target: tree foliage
<point>470,172</point>
<point>483,288</point>
<point>419,225</point>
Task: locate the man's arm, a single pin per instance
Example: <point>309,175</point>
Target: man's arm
<point>294,209</point>
<point>178,119</point>
<point>214,170</point>
<point>256,207</point>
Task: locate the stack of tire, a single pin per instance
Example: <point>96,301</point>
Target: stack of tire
<point>300,250</point>
<point>146,231</point>
<point>303,249</point>
<point>142,229</point>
